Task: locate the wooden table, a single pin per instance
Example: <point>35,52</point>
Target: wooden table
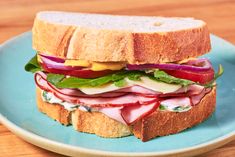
<point>16,16</point>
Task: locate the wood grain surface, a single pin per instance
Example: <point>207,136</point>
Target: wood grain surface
<point>16,16</point>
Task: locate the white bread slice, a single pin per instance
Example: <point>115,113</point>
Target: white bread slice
<point>99,124</point>
<point>109,38</point>
<point>159,123</point>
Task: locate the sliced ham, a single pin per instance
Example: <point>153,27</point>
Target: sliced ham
<point>125,100</point>
<point>185,91</point>
<point>128,104</point>
<point>41,82</point>
<point>191,89</point>
<point>114,113</point>
<point>138,89</point>
<point>129,114</point>
<point>195,99</point>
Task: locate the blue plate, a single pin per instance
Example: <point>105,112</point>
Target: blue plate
<point>19,113</point>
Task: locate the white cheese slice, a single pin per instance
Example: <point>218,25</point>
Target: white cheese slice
<point>102,89</point>
<point>145,82</point>
<point>156,85</point>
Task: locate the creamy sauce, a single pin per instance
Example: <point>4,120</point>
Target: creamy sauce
<point>175,108</point>
<point>50,98</point>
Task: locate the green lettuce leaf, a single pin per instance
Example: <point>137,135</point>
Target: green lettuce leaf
<point>120,83</point>
<point>74,82</point>
<point>164,77</point>
<point>33,65</point>
<point>54,78</point>
<point>162,108</point>
<point>135,76</point>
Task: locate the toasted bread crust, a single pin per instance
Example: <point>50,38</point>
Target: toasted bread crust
<point>105,45</point>
<point>159,123</point>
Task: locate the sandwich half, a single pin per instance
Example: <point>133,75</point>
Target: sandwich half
<point>116,76</point>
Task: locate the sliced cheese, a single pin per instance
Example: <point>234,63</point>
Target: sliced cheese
<point>145,82</point>
<point>155,85</point>
<point>99,66</point>
<point>96,66</point>
<point>82,63</point>
<point>101,89</point>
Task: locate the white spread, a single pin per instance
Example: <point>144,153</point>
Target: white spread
<point>50,98</point>
<point>176,105</point>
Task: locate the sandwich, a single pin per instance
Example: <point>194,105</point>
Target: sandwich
<point>116,76</point>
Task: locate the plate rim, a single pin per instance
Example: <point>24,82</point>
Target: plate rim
<point>72,150</point>
<point>54,145</point>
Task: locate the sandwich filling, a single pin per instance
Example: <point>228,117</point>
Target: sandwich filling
<point>124,92</point>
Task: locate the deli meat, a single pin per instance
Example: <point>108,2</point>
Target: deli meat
<point>126,105</point>
<point>125,100</point>
<point>138,89</point>
<point>195,99</point>
<point>114,113</point>
<point>129,114</point>
<point>128,99</point>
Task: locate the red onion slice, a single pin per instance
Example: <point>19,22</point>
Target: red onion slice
<point>52,58</point>
<point>192,65</point>
<point>50,63</point>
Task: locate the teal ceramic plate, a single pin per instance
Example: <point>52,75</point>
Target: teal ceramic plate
<point>18,112</point>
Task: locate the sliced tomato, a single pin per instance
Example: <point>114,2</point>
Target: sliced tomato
<point>200,77</point>
<point>89,73</point>
<point>84,73</point>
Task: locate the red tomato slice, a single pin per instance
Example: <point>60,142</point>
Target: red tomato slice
<point>200,77</point>
<point>86,73</point>
<point>89,73</point>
